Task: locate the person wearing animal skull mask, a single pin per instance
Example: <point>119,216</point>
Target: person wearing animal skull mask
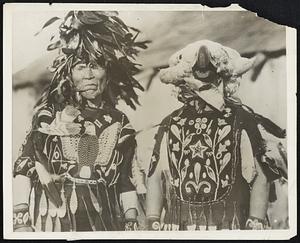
<point>211,168</point>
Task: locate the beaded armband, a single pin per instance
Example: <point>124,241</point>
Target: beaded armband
<point>153,223</point>
<point>254,223</point>
<point>21,216</point>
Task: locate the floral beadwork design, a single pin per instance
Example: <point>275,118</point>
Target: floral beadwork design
<point>200,152</point>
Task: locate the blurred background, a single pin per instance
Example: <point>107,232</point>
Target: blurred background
<point>263,88</point>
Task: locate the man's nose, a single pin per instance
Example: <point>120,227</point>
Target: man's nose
<point>89,73</point>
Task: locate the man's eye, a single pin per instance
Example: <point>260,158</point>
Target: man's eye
<point>80,66</point>
<point>93,65</point>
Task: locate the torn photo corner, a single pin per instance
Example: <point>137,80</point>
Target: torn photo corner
<point>152,117</point>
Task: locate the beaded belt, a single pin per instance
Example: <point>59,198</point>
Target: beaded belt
<point>84,181</point>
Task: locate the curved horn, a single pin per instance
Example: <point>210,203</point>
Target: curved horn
<point>244,65</point>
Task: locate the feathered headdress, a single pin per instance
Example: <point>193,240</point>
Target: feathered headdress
<point>101,37</point>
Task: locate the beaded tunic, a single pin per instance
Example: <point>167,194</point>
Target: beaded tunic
<point>90,171</point>
<point>203,179</point>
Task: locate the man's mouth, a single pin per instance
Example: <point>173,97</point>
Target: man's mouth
<point>88,87</point>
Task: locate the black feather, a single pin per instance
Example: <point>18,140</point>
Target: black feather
<point>270,126</point>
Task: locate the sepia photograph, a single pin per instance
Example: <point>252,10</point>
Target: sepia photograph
<point>128,119</point>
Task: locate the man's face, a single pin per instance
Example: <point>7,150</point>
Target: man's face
<point>89,79</point>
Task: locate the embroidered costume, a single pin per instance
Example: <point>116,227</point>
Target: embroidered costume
<point>90,171</point>
<point>207,152</point>
<point>82,179</point>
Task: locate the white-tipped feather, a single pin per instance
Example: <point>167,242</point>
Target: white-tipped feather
<point>94,200</point>
<point>57,227</point>
<point>32,204</point>
<point>44,175</point>
<point>52,209</point>
<point>48,224</point>
<point>38,224</point>
<point>73,201</point>
<point>61,211</point>
<point>43,208</point>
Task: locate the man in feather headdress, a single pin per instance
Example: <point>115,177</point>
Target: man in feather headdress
<point>74,172</point>
<point>211,168</point>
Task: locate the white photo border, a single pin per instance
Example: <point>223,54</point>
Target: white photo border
<point>10,8</point>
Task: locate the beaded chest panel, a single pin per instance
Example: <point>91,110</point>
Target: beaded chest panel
<point>202,155</point>
<point>93,151</point>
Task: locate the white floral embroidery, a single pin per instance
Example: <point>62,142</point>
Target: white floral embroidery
<point>227,112</point>
<point>107,118</point>
<point>176,147</point>
<point>201,123</point>
<point>191,122</point>
<point>221,122</point>
<point>222,148</point>
<point>181,122</point>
